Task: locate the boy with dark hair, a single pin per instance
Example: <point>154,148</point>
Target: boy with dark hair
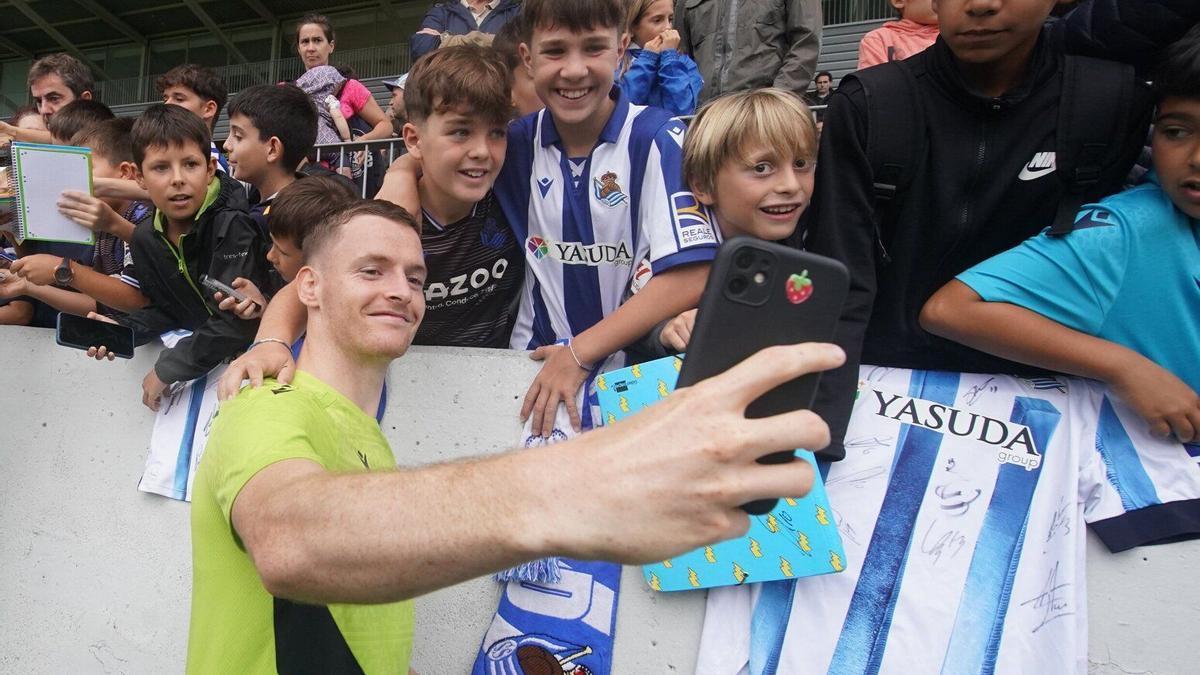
<point>298,209</point>
<point>272,127</point>
<point>967,158</point>
<point>108,283</point>
<point>199,90</point>
<point>524,99</point>
<point>75,117</point>
<point>202,227</point>
<point>457,101</point>
<point>1080,304</point>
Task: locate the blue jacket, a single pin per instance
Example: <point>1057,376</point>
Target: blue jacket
<point>453,18</point>
<point>667,80</point>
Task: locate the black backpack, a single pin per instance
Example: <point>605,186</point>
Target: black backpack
<point>1101,100</point>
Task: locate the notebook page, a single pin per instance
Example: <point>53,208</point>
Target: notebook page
<point>42,173</point>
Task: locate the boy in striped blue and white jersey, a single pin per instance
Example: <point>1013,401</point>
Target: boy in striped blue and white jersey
<point>592,185</point>
<point>961,504</point>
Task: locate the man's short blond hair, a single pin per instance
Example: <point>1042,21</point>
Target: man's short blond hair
<point>733,126</point>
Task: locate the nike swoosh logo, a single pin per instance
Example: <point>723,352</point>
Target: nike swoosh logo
<point>1035,174</point>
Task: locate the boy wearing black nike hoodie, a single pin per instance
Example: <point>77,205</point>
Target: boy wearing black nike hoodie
<point>202,227</point>
<point>980,175</point>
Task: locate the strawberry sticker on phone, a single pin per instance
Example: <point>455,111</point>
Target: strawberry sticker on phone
<point>799,288</point>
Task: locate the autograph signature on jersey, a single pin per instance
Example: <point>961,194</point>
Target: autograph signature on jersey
<point>948,543</point>
<point>1061,522</point>
<point>867,443</point>
<point>845,528</point>
<point>979,390</point>
<point>856,479</point>
<point>1052,602</point>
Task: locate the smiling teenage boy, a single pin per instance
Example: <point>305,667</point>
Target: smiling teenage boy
<point>593,184</point>
<point>201,228</point>
<point>457,102</point>
<point>978,163</point>
<point>458,105</point>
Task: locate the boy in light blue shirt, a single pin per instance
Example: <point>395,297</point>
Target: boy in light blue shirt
<point>1118,299</point>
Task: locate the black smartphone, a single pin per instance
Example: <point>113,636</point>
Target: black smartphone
<point>760,294</point>
<point>216,286</point>
<point>80,333</point>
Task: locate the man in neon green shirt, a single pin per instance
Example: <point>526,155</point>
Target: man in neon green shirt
<point>308,543</point>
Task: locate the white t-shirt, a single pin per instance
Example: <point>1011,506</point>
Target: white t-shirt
<point>961,504</point>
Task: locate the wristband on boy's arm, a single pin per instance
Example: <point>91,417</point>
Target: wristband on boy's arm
<point>265,340</point>
<point>571,348</point>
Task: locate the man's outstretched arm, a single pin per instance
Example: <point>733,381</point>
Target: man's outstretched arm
<point>381,537</point>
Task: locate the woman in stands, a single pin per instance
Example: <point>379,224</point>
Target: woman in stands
<point>314,44</point>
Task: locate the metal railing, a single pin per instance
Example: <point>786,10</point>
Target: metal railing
<point>380,61</point>
<point>343,151</point>
<point>853,11</point>
<point>394,148</point>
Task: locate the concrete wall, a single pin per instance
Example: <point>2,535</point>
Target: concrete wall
<point>95,576</point>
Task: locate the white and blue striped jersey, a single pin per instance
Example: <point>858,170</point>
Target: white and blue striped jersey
<point>215,153</point>
<point>961,504</point>
<point>585,228</point>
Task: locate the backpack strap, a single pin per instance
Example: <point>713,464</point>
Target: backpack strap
<point>895,137</point>
<point>1100,104</point>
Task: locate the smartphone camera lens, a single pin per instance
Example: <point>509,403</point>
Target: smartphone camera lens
<point>737,285</point>
<point>744,259</point>
<point>760,279</point>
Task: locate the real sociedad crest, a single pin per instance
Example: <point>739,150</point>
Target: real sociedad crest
<point>608,191</point>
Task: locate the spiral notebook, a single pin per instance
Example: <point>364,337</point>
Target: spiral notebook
<point>799,538</point>
<point>37,177</point>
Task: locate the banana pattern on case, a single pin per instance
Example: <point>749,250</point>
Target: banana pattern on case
<point>786,543</point>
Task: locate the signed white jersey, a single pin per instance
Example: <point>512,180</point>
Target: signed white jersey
<point>961,504</point>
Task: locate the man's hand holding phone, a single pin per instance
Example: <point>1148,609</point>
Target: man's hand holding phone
<point>687,493</point>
